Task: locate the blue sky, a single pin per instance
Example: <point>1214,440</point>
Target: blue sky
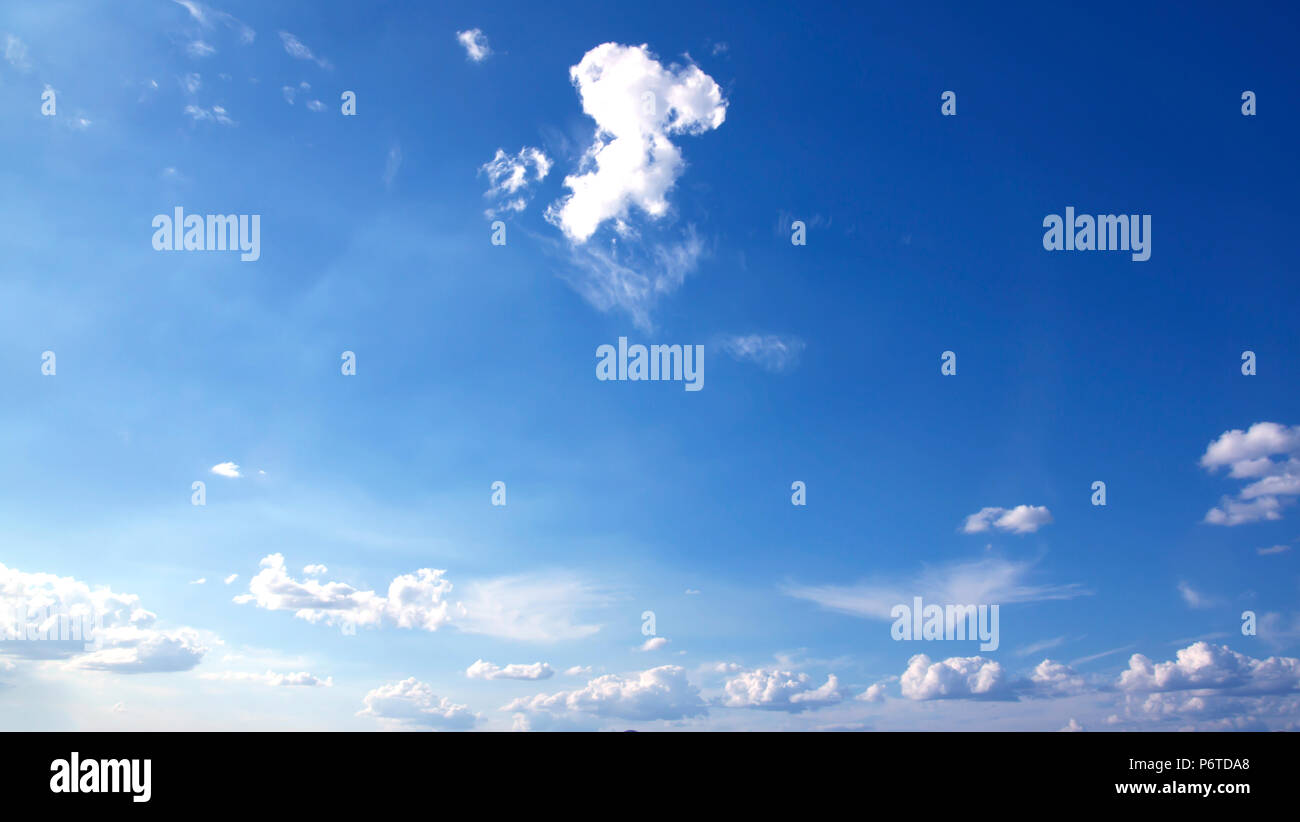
<point>476,363</point>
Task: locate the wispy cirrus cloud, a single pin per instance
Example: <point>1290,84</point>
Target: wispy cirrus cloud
<point>297,49</point>
<point>987,581</point>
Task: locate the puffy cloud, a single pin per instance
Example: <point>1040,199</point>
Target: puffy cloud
<point>226,469</point>
<point>230,579</point>
<point>1056,679</point>
<point>411,703</point>
<point>637,104</point>
<point>118,635</point>
<point>1216,667</point>
<point>531,608</point>
<point>1023,519</point>
<point>1072,726</point>
<point>578,670</point>
<point>875,693</point>
<point>654,643</point>
<point>954,678</point>
<point>658,693</point>
<point>639,107</point>
<point>314,570</point>
<point>1250,455</point>
<point>475,43</point>
<point>509,178</point>
<point>772,689</point>
<point>486,670</point>
<point>772,352</point>
<point>987,581</point>
<point>414,600</point>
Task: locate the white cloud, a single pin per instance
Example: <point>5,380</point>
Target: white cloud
<point>125,638</point>
<point>486,670</point>
<point>410,703</point>
<point>1056,679</point>
<point>289,92</point>
<point>226,469</point>
<point>773,689</point>
<point>230,578</point>
<point>954,678</point>
<point>1273,549</point>
<point>1194,598</point>
<point>206,16</point>
<point>578,670</point>
<point>314,570</point>
<point>316,105</point>
<point>654,643</point>
<point>216,114</point>
<point>1250,455</point>
<point>529,608</point>
<point>772,352</point>
<point>534,608</point>
<point>199,49</point>
<point>987,581</point>
<point>413,601</point>
<point>298,679</point>
<point>198,581</point>
<point>637,104</point>
<point>1217,667</point>
<point>1072,726</point>
<point>1023,519</point>
<point>875,693</point>
<point>192,83</point>
<point>295,48</point>
<point>658,693</point>
<point>16,54</point>
<point>508,177</point>
<point>475,43</point>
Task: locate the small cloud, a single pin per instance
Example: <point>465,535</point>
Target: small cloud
<point>119,707</point>
<point>316,105</point>
<point>1194,598</point>
<point>509,178</point>
<point>199,49</point>
<point>654,643</point>
<point>198,581</point>
<point>191,83</point>
<point>216,114</point>
<point>288,92</point>
<point>691,591</point>
<point>314,570</point>
<point>230,579</point>
<point>1273,549</point>
<point>1072,726</point>
<point>720,48</point>
<point>392,164</point>
<point>876,693</point>
<point>16,54</point>
<point>226,469</point>
<point>578,670</point>
<point>1023,519</point>
<point>475,43</point>
<point>772,352</point>
<point>296,48</point>
<point>483,669</point>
